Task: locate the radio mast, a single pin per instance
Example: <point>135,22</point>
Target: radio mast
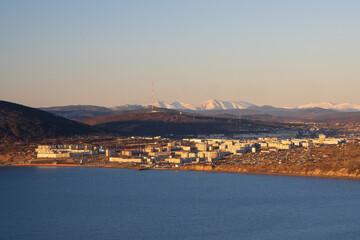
<point>152,96</point>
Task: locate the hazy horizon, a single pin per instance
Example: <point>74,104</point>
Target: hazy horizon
<point>106,53</point>
<point>196,105</point>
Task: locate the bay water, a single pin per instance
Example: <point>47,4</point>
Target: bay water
<point>99,203</point>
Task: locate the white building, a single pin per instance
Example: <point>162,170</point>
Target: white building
<point>127,160</point>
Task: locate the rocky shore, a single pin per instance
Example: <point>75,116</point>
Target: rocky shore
<point>286,170</point>
<point>301,170</point>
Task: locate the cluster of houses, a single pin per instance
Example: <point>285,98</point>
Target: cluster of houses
<point>210,150</point>
<point>174,152</point>
<point>193,150</point>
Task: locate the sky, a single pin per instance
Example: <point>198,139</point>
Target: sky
<point>107,52</point>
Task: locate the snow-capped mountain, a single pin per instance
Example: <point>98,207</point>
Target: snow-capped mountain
<point>175,105</point>
<point>309,111</point>
<point>325,105</point>
<point>215,104</point>
<point>163,104</point>
<point>127,107</point>
<point>212,104</point>
<point>181,105</point>
<point>218,105</point>
<point>347,107</point>
<point>343,107</point>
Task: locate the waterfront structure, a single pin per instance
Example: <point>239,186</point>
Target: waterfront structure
<point>64,151</point>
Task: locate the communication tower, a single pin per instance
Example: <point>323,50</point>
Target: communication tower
<point>152,96</point>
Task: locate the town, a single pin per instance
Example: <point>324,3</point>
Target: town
<point>157,152</point>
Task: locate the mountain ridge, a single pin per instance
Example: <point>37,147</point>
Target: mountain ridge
<point>330,105</point>
<point>212,104</point>
<point>213,107</point>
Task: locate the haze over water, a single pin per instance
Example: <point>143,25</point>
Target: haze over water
<point>97,203</point>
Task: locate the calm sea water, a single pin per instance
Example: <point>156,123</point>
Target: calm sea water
<point>96,203</point>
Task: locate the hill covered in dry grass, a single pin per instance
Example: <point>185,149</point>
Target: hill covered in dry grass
<point>18,123</point>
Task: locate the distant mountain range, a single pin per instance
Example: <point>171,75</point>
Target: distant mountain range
<point>212,104</point>
<point>215,104</point>
<point>343,107</point>
<point>312,111</point>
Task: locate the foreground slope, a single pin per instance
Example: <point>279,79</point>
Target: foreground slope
<point>18,122</point>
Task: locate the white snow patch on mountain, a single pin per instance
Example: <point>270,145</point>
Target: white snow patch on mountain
<point>333,106</point>
<point>214,104</point>
<point>181,105</point>
<point>163,104</point>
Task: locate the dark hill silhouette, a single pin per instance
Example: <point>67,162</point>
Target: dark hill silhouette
<point>344,118</point>
<point>18,122</point>
<point>171,122</point>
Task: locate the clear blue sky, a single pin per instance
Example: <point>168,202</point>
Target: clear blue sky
<point>278,52</point>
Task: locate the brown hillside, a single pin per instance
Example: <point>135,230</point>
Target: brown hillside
<point>19,123</point>
<point>165,122</point>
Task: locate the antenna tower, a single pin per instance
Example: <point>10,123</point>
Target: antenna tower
<point>152,96</point>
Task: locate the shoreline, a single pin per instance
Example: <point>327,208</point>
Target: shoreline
<point>228,169</point>
<point>274,174</point>
<point>281,170</point>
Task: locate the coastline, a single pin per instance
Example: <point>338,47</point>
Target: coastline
<point>298,171</point>
<point>318,173</point>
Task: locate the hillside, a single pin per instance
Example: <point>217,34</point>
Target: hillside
<point>352,117</point>
<point>171,122</point>
<point>77,112</point>
<point>18,122</point>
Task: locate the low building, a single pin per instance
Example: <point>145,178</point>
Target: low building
<point>63,151</point>
<point>180,160</point>
<point>109,152</point>
<point>127,160</point>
